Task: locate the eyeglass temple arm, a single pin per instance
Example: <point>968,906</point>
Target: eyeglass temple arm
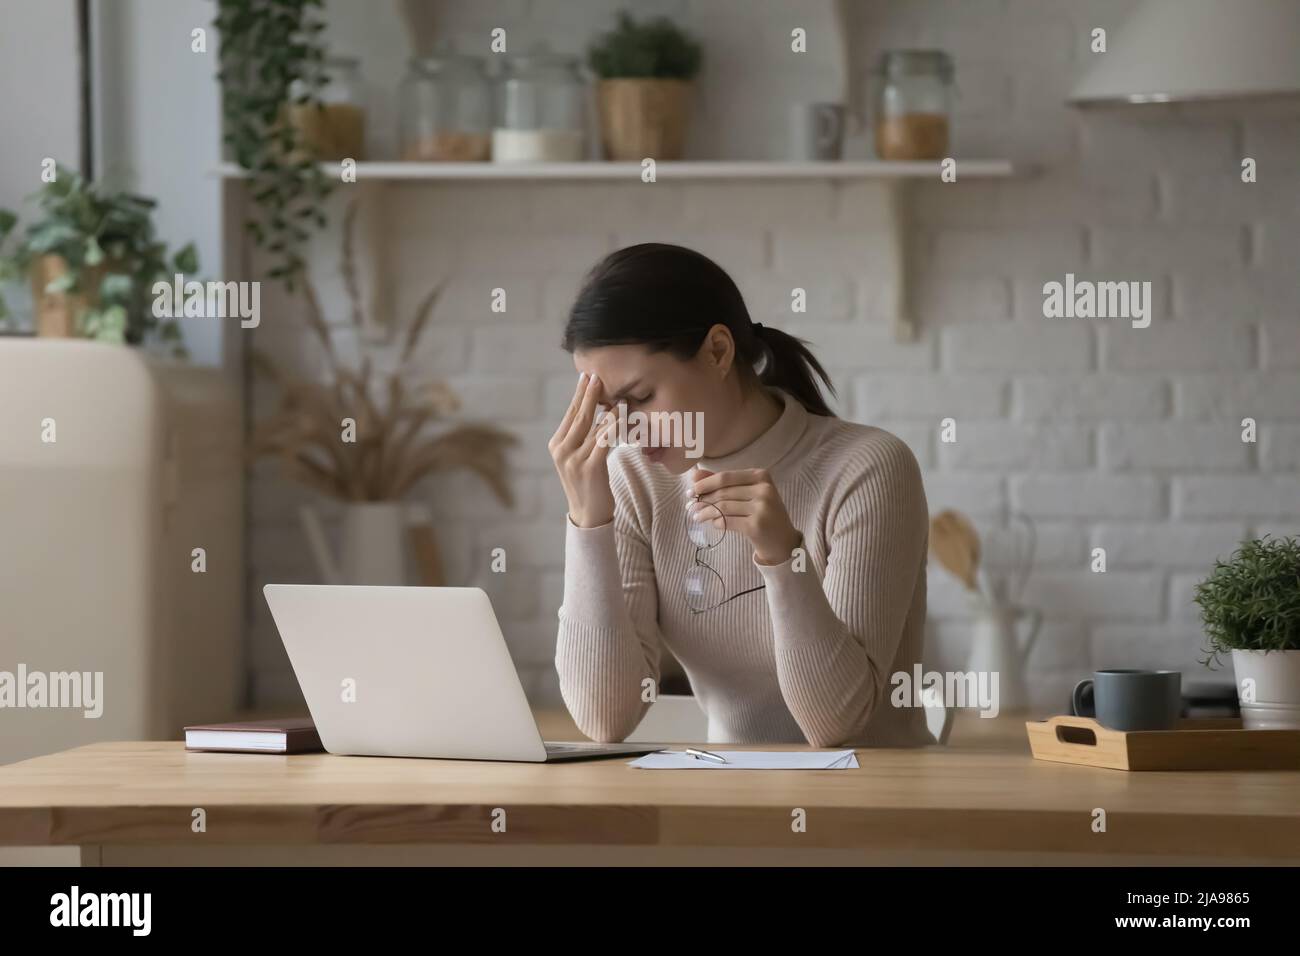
<point>727,601</point>
<point>742,594</point>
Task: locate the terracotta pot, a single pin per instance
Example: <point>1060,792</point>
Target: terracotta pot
<point>644,117</point>
<point>56,312</point>
<point>329,133</point>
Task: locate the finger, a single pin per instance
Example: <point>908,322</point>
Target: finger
<point>605,437</point>
<point>572,410</point>
<point>731,493</point>
<point>723,479</point>
<point>733,509</point>
<point>594,444</point>
<point>603,447</point>
<point>737,523</point>
<point>580,428</point>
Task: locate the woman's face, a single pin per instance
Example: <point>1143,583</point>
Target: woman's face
<point>670,402</point>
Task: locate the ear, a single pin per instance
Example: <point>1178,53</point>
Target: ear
<point>718,350</point>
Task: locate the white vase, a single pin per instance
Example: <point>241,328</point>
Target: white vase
<point>372,547</point>
<point>1002,635</point>
<point>1268,688</point>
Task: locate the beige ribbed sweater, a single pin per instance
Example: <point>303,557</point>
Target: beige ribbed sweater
<point>808,659</point>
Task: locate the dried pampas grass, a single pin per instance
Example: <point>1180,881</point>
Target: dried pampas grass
<point>396,444</point>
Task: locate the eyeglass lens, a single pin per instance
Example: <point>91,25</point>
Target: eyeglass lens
<point>704,524</point>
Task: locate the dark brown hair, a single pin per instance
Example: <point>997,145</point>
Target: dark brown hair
<point>667,298</point>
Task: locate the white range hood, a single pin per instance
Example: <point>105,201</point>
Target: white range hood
<point>1175,51</point>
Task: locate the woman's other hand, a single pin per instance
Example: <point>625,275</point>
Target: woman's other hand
<point>753,507</point>
<point>580,456</point>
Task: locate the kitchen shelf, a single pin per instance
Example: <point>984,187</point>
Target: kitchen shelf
<point>689,169</point>
<point>897,179</point>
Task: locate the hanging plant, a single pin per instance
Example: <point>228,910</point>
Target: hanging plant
<point>266,46</point>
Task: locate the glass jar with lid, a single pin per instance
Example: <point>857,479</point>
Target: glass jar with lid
<point>913,104</point>
<point>541,109</point>
<point>333,128</point>
<point>446,109</point>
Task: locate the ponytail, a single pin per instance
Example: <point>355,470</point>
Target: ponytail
<point>667,298</point>
<point>789,364</point>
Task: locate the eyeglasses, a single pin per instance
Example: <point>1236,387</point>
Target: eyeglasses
<point>705,588</point>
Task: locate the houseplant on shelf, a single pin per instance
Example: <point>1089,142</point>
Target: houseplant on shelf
<point>1250,605</point>
<point>92,259</point>
<point>372,463</point>
<point>644,88</point>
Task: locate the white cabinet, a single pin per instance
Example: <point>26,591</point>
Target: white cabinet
<point>114,469</point>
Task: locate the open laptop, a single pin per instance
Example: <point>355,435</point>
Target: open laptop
<point>413,672</point>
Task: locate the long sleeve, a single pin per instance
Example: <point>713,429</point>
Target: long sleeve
<point>837,635</point>
<point>609,640</point>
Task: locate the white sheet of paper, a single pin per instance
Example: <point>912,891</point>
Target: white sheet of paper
<point>751,760</point>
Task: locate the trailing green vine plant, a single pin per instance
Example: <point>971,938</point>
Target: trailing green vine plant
<point>267,45</point>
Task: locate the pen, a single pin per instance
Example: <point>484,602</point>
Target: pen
<point>704,755</point>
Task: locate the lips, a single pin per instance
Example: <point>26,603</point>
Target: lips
<point>654,454</point>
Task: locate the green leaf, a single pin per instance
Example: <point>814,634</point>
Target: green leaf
<point>116,287</point>
<point>93,255</point>
<point>113,325</point>
<point>51,236</point>
<point>65,182</point>
<point>187,260</point>
<point>63,282</point>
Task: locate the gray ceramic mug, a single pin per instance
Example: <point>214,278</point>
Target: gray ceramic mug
<point>817,131</point>
<point>1131,699</point>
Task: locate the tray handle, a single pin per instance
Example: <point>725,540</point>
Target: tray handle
<point>1076,731</point>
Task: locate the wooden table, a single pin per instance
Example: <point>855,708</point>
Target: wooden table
<point>982,799</point>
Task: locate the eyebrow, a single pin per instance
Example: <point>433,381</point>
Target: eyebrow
<point>622,393</point>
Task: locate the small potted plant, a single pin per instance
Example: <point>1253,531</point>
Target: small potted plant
<point>644,88</point>
<point>92,259</point>
<point>1250,605</point>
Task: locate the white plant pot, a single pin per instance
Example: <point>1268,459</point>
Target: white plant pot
<point>1268,687</point>
<point>372,543</point>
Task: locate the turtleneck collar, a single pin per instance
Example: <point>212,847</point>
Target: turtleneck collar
<point>769,447</point>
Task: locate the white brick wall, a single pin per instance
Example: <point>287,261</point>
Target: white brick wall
<point>1108,436</point>
<point>1173,447</point>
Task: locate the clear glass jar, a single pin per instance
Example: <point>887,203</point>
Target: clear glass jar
<point>446,110</point>
<point>913,104</point>
<point>336,128</point>
<point>541,110</point>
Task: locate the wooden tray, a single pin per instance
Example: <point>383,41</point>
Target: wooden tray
<point>1199,744</point>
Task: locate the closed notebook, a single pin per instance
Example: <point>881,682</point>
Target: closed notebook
<point>286,735</point>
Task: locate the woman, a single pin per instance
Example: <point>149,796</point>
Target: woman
<point>784,569</point>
